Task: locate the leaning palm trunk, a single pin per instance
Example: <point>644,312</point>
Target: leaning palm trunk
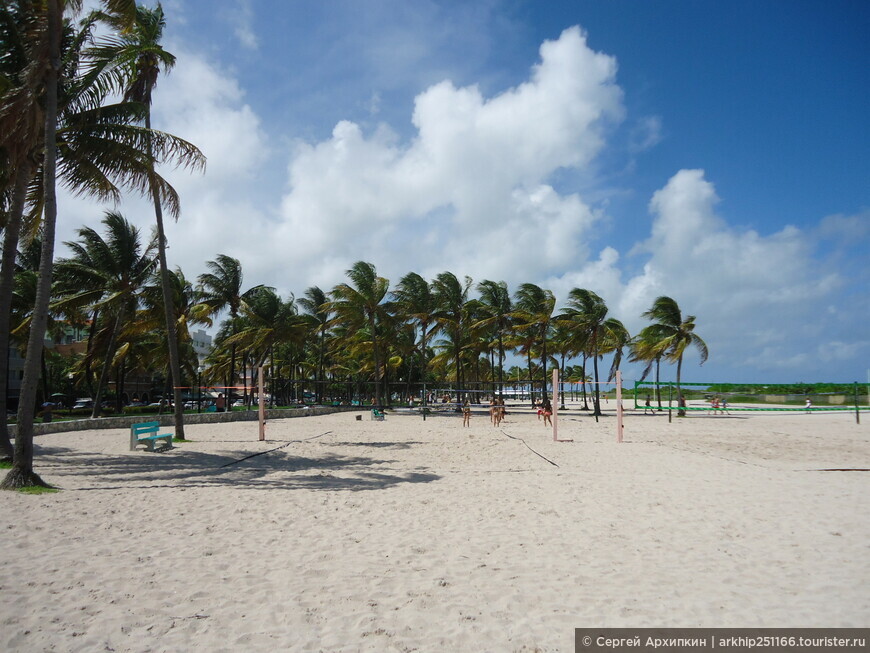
<point>22,473</point>
<point>7,275</point>
<point>658,386</point>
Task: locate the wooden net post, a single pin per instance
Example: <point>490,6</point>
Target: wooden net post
<point>262,397</point>
<point>618,406</point>
<point>555,405</point>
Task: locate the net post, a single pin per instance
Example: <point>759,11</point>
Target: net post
<point>670,388</point>
<point>555,405</point>
<point>857,409</point>
<point>262,403</point>
<point>618,406</point>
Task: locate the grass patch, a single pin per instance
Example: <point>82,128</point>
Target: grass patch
<point>174,439</point>
<point>37,489</point>
<point>5,464</point>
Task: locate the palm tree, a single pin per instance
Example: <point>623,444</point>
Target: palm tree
<point>586,316</point>
<point>415,301</point>
<point>138,57</point>
<point>269,321</point>
<point>314,303</point>
<point>648,347</point>
<point>360,308</point>
<point>496,301</point>
<point>451,298</point>
<point>221,289</point>
<point>108,275</point>
<point>674,334</point>
<point>534,315</point>
<point>48,62</point>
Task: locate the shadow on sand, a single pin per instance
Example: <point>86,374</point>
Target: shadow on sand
<point>193,469</point>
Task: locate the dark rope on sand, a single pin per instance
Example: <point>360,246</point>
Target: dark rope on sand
<point>254,455</point>
<point>530,449</point>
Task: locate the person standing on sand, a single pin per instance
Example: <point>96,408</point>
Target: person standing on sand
<point>220,403</point>
<point>466,413</point>
<point>547,410</point>
<point>809,405</point>
<point>647,406</point>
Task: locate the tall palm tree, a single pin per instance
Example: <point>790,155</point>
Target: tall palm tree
<point>139,58</point>
<point>649,347</point>
<point>533,312</point>
<point>22,474</point>
<point>314,303</point>
<point>221,289</point>
<point>675,333</point>
<point>415,301</point>
<point>106,274</point>
<point>496,301</point>
<point>586,316</point>
<point>361,306</point>
<point>451,297</point>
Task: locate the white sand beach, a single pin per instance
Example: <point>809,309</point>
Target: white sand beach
<point>412,535</point>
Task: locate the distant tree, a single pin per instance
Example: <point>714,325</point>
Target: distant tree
<point>533,312</point>
<point>361,305</point>
<point>674,334</point>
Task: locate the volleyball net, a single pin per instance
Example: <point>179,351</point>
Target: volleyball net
<point>722,398</point>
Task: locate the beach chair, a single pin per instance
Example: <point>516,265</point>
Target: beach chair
<point>377,415</point>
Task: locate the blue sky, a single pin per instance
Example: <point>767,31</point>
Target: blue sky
<point>715,152</point>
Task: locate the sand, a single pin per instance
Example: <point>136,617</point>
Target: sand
<point>405,535</point>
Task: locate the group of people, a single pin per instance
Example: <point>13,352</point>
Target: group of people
<point>496,411</point>
<point>719,404</point>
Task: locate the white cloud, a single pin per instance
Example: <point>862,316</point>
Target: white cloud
<point>750,293</point>
<point>473,182</point>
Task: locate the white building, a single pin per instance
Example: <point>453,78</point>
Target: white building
<point>202,343</point>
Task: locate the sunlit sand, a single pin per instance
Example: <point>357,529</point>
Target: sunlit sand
<point>420,535</point>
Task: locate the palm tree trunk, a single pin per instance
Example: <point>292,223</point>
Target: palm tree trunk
<point>531,383</point>
<point>658,387</point>
<point>22,473</point>
<point>544,364</point>
<point>168,304</point>
<point>681,402</point>
<point>597,410</point>
<point>107,365</point>
<point>377,355</point>
<point>7,278</point>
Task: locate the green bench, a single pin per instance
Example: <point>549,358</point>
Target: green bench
<point>377,415</point>
<point>146,433</point>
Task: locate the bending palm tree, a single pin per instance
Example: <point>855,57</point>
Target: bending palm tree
<point>586,315</point>
<point>674,335</point>
<point>648,347</point>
